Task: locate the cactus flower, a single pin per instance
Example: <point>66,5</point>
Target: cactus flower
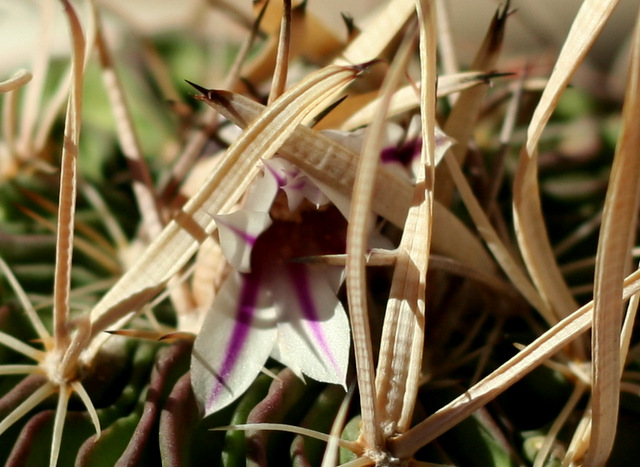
<point>271,304</point>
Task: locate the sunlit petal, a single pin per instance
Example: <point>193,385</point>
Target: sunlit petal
<point>238,233</point>
<point>313,329</point>
<point>294,183</point>
<point>264,191</point>
<point>235,341</point>
<point>339,199</point>
<point>351,140</point>
<point>442,144</point>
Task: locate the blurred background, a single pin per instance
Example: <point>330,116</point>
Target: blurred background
<point>537,26</point>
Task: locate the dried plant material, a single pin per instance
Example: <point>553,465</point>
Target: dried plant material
<point>333,165</point>
<point>39,71</point>
<point>148,204</point>
<point>617,236</point>
<point>528,218</point>
<point>37,119</point>
<point>502,255</point>
<point>282,60</point>
<point>19,79</point>
<point>460,124</point>
<point>67,197</point>
<point>142,184</point>
<point>502,378</point>
<point>230,179</point>
<point>373,430</point>
<point>114,230</point>
<point>313,40</point>
<point>62,378</point>
<point>39,395</point>
<point>29,310</point>
<point>209,270</point>
<point>21,347</point>
<point>568,409</point>
<point>378,32</point>
<point>87,246</point>
<point>403,333</point>
<point>245,236</point>
<point>197,142</point>
<point>360,110</point>
<point>445,40</point>
<point>64,392</point>
<point>338,424</point>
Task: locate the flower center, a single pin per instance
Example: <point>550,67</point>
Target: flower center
<point>314,232</point>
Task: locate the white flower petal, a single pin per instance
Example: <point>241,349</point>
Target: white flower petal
<point>238,233</point>
<point>334,275</point>
<point>351,140</point>
<point>263,191</point>
<point>234,343</point>
<point>294,183</point>
<point>313,328</point>
<point>300,187</point>
<point>339,200</point>
<point>443,143</point>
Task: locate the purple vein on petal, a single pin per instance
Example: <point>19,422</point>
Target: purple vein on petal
<point>300,280</point>
<point>297,185</point>
<point>244,318</point>
<point>248,238</point>
<point>281,181</point>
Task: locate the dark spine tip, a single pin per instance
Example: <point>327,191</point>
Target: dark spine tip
<point>349,23</point>
<point>199,88</point>
<point>487,77</point>
<point>503,12</point>
<point>211,95</point>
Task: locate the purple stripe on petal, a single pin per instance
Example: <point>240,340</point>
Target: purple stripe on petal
<point>244,318</point>
<point>249,239</point>
<point>297,184</point>
<point>299,278</point>
<point>279,180</point>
